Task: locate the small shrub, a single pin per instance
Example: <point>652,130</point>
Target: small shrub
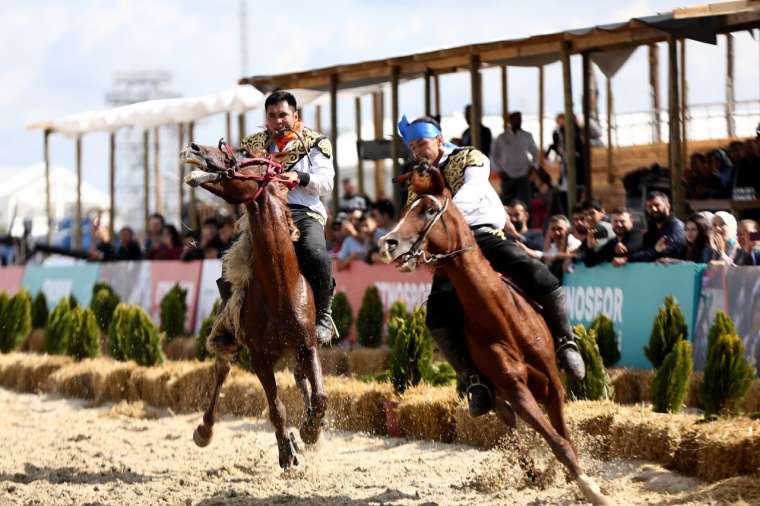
<point>727,376</point>
<point>722,325</point>
<point>669,328</point>
<point>411,353</point>
<point>343,315</point>
<point>39,311</point>
<point>369,323</point>
<point>595,386</point>
<point>606,339</point>
<point>58,329</point>
<point>441,373</point>
<point>396,315</point>
<point>103,304</point>
<point>201,353</point>
<point>101,286</point>
<point>117,332</point>
<point>15,320</point>
<point>671,381</point>
<point>174,312</point>
<point>73,302</point>
<point>132,336</point>
<point>84,341</point>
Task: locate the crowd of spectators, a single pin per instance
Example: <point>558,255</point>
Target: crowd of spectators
<point>725,173</point>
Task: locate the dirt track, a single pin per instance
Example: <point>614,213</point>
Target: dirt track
<point>57,451</point>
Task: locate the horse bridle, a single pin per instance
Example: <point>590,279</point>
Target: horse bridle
<point>416,250</point>
<point>233,165</point>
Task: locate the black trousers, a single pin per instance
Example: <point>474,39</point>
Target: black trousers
<point>313,259</point>
<point>530,275</point>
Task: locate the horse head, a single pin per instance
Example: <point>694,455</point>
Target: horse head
<point>422,229</point>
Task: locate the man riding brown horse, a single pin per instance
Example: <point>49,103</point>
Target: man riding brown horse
<point>306,157</point>
<point>466,172</point>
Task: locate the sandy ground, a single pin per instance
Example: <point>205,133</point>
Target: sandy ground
<point>58,451</point>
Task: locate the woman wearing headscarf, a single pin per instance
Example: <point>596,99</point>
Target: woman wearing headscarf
<point>724,225</point>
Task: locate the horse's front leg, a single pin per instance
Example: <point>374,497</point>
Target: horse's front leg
<point>205,431</point>
<point>308,361</point>
<point>264,369</point>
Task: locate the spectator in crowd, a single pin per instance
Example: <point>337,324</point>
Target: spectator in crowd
<point>662,227</point>
<point>629,236</point>
<point>559,246</point>
<point>748,252</point>
<point>601,240</point>
<point>129,248</point>
<point>514,153</point>
<point>725,227</point>
<point>226,233</point>
<point>558,146</point>
<point>351,200</point>
<point>154,235</point>
<point>748,166</point>
<point>466,139</point>
<point>334,233</point>
<point>700,246</point>
<point>700,181</point>
<point>208,246</point>
<point>720,166</point>
<point>101,249</point>
<point>517,226</point>
<point>578,221</point>
<point>171,245</point>
<point>357,247</point>
<point>546,201</point>
<point>383,214</point>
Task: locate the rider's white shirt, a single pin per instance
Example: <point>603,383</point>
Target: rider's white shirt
<point>476,199</point>
<point>321,172</point>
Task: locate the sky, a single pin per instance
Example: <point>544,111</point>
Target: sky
<point>59,58</point>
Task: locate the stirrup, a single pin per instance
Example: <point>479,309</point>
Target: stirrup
<point>476,407</point>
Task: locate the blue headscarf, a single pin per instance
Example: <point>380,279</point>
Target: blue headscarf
<point>414,131</point>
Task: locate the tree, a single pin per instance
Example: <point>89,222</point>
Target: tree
<point>58,329</point>
<point>84,341</point>
<point>132,336</point>
<point>595,385</point>
<point>671,381</point>
<point>343,315</point>
<point>174,312</point>
<point>15,319</point>
<point>606,339</point>
<point>39,311</point>
<point>103,304</point>
<point>369,323</point>
<point>396,316</point>
<point>411,353</point>
<point>669,328</point>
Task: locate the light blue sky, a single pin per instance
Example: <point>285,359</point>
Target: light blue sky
<point>59,58</point>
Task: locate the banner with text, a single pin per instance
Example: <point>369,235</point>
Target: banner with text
<point>631,296</point>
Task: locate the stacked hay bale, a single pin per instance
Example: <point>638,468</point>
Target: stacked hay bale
<point>429,413</point>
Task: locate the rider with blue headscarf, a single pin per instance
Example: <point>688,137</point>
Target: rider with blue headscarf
<point>466,171</point>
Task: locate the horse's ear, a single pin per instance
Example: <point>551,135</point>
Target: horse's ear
<point>428,182</point>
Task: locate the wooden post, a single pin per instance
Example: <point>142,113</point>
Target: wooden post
<point>48,196</point>
<point>112,184</point>
<point>428,92</point>
<point>437,88</point>
<point>228,127</point>
<point>318,118</point>
<point>654,92</point>
<point>674,122</point>
<point>684,105</point>
<point>476,109</point>
<point>241,133</point>
<point>78,213</point>
<point>157,168</point>
<point>180,172</point>
<point>395,144</point>
<point>570,158</point>
<point>730,99</point>
<point>610,116</point>
<point>541,112</point>
<point>146,181</point>
<point>505,95</point>
<point>194,218</point>
<point>377,119</point>
<point>587,70</point>
<point>359,162</point>
<point>334,138</point>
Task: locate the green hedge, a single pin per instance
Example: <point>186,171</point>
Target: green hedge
<point>174,312</point>
<point>59,328</point>
<point>15,320</point>
<point>369,323</point>
<point>84,341</point>
<point>132,336</point>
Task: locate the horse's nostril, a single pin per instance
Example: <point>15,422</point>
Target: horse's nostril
<point>391,244</point>
<point>195,146</point>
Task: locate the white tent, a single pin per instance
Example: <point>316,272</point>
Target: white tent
<point>22,196</point>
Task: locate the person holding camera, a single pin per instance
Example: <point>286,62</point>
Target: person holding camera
<point>466,171</point>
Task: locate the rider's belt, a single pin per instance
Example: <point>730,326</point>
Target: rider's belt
<point>488,229</point>
<point>309,212</point>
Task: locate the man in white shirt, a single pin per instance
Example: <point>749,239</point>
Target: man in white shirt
<point>307,157</point>
<point>466,171</point>
<point>514,153</point>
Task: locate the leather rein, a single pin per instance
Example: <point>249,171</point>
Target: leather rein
<point>416,250</point>
<point>273,171</point>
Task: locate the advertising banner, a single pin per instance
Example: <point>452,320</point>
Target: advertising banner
<point>736,291</point>
<point>130,281</point>
<point>208,291</point>
<point>164,275</point>
<point>10,279</point>
<point>631,296</point>
<point>59,282</point>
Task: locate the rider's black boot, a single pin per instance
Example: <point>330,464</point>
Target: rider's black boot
<point>565,345</point>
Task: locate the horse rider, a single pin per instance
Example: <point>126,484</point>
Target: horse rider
<point>466,171</point>
<point>306,157</point>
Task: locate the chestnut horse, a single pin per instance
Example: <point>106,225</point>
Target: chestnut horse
<point>506,336</point>
<point>277,307</point>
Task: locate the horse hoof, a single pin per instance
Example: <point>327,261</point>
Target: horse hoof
<point>310,433</point>
<point>202,436</point>
<point>592,492</point>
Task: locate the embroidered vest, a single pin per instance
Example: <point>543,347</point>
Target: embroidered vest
<point>297,149</point>
<point>454,166</point>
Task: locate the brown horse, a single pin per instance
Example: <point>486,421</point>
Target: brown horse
<point>507,338</point>
<point>277,305</point>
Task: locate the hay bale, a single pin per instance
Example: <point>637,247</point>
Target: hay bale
<point>34,342</point>
<point>427,412</point>
<point>75,380</point>
<point>111,380</point>
<point>334,361</point>
<point>179,348</point>
<point>149,384</point>
<point>190,387</point>
<point>692,397</point>
<point>631,385</point>
<point>365,361</point>
<point>356,406</point>
<point>484,431</point>
<point>242,395</point>
<point>752,399</point>
<point>24,372</point>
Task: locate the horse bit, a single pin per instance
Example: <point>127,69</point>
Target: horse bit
<point>416,250</point>
<point>233,166</point>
